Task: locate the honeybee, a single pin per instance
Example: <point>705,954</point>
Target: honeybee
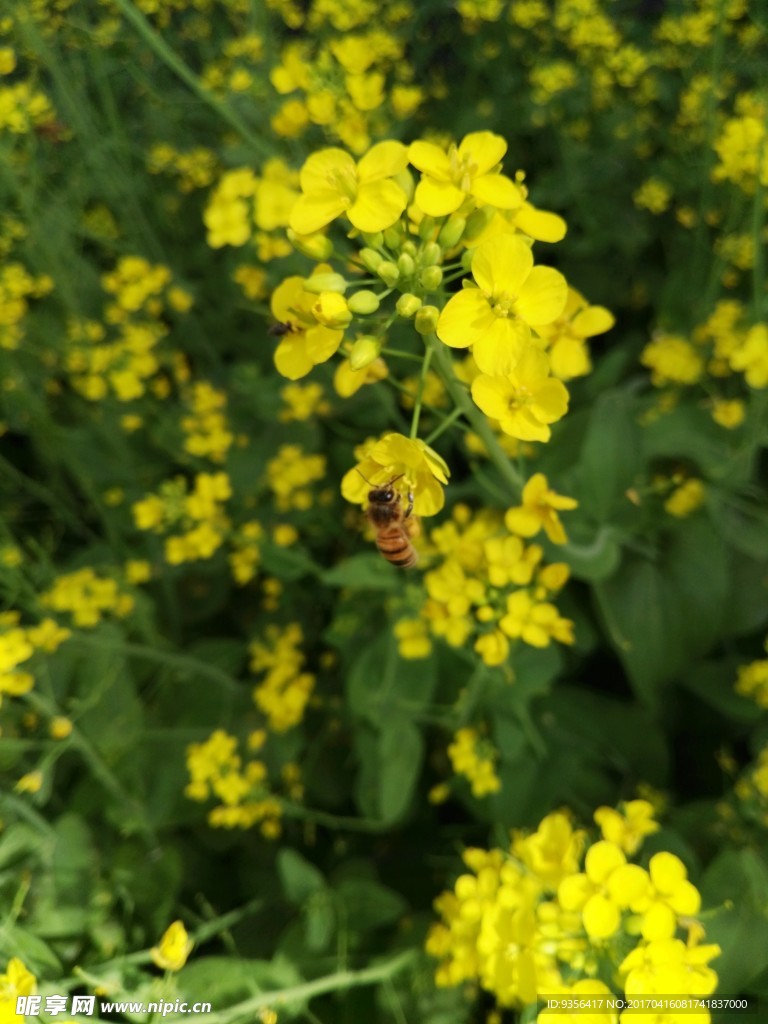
<point>394,526</point>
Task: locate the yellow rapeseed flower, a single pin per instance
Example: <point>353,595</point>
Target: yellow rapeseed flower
<point>332,184</point>
<point>511,297</point>
<point>175,945</point>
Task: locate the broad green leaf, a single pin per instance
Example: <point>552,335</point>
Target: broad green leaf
<point>592,558</point>
<point>368,904</point>
<point>288,564</point>
<point>610,455</point>
<point>401,749</point>
<point>36,954</point>
<point>662,614</point>
<point>737,883</point>
<point>299,877</point>
<point>365,571</point>
<point>713,682</point>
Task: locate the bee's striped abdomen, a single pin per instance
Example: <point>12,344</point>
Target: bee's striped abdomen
<point>396,547</point>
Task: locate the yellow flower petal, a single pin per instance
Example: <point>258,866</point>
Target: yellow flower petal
<point>291,357</point>
<point>601,917</point>
<point>540,224</point>
<point>384,160</point>
<point>492,395</point>
<point>542,296</point>
<point>602,858</point>
<point>551,402</point>
<point>501,346</point>
<point>323,168</point>
<point>314,211</point>
<point>483,150</point>
<point>496,190</point>
<point>465,319</point>
<point>430,159</point>
<point>502,264</point>
<point>593,320</point>
<point>378,205</point>
<point>438,198</point>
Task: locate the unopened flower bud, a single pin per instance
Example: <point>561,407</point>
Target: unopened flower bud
<point>431,254</point>
<point>364,351</point>
<point>451,231</point>
<point>408,305</point>
<point>388,273</point>
<point>406,265</point>
<point>431,278</point>
<point>317,247</point>
<point>466,259</point>
<point>325,283</point>
<point>393,238</point>
<point>370,259</point>
<point>373,239</point>
<point>426,319</point>
<point>363,302</point>
<point>426,228</point>
<point>478,221</point>
<point>409,246</point>
<point>331,310</point>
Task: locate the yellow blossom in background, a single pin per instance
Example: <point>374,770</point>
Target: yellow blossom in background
<point>32,783</point>
<point>672,360</point>
<point>422,473</point>
<point>539,511</point>
<point>752,682</point>
<point>654,195</point>
<point>628,827</point>
<point>685,499</point>
<point>60,728</point>
<point>566,338</point>
<point>173,949</point>
<point>475,759</point>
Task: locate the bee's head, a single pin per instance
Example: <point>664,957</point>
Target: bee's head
<point>382,495</point>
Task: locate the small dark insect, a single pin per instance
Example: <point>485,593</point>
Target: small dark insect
<point>394,525</point>
<point>279,329</point>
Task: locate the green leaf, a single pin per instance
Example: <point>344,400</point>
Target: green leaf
<point>661,614</point>
<point>713,682</point>
<point>610,455</point>
<point>319,921</point>
<point>365,572</point>
<point>300,879</point>
<point>593,559</point>
<point>225,981</point>
<point>36,954</point>
<point>401,749</point>
<point>369,904</point>
<point>737,881</point>
<point>287,564</point>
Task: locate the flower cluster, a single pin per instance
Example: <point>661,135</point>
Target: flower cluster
<point>217,771</point>
<point>489,584</point>
<point>18,645</point>
<point>88,597</point>
<point>475,759</point>
<point>284,692</point>
<point>17,287</point>
<point>719,351</point>
<point>555,910</point>
<point>198,512</point>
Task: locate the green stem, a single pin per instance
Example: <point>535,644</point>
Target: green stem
<point>180,69</point>
<point>101,771</point>
<point>420,395</point>
<point>463,401</point>
<point>339,982</point>
<point>447,423</point>
<point>333,821</point>
<point>181,662</point>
